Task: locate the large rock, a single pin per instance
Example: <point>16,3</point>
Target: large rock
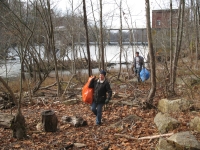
<point>187,80</point>
<point>164,145</point>
<point>195,124</point>
<point>184,140</point>
<point>169,106</point>
<point>70,102</point>
<point>165,123</point>
<point>6,120</point>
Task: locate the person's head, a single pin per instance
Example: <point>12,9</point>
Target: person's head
<point>136,54</point>
<point>102,75</point>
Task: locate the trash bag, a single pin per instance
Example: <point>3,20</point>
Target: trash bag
<point>144,74</point>
<point>87,93</point>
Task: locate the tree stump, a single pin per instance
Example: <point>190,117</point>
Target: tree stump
<point>18,126</point>
<point>49,121</point>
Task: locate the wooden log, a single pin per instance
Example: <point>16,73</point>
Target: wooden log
<point>49,121</point>
<point>6,120</point>
<point>74,120</point>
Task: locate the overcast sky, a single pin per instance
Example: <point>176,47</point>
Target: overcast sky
<point>133,11</point>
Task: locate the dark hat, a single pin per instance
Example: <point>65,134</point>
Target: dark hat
<point>103,72</point>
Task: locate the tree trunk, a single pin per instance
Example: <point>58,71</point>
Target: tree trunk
<point>151,95</point>
<point>87,39</point>
<point>52,46</point>
<point>179,33</point>
<point>197,32</point>
<point>120,40</point>
<point>18,126</point>
<point>101,38</point>
<point>171,45</point>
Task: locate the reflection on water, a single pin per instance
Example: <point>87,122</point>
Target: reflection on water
<point>111,56</point>
<point>10,68</point>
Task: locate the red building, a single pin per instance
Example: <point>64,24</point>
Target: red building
<point>161,18</point>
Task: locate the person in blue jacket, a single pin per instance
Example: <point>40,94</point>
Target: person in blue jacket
<point>102,95</point>
<point>138,64</point>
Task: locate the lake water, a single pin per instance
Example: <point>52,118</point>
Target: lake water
<point>111,56</point>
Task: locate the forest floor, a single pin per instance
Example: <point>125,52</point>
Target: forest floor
<point>94,137</point>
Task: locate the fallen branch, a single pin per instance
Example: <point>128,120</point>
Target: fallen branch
<point>46,87</point>
<point>122,99</point>
<point>68,84</point>
<point>144,138</point>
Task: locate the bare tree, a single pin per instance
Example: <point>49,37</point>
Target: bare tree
<point>87,39</point>
<point>149,101</point>
<point>120,39</point>
<point>196,15</point>
<point>171,45</point>
<point>50,31</point>
<point>179,33</point>
<point>25,32</point>
<point>101,37</point>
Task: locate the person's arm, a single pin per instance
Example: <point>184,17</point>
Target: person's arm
<point>109,90</point>
<point>91,84</point>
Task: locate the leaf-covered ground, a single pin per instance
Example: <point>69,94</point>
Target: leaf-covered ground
<point>94,137</point>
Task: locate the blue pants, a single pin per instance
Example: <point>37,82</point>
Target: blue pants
<point>97,110</point>
<point>137,72</point>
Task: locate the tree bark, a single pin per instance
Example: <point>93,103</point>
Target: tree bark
<point>197,32</point>
<point>101,38</point>
<point>87,39</point>
<point>49,121</point>
<point>52,46</point>
<point>171,47</point>
<point>18,126</point>
<point>179,33</point>
<point>120,40</point>
<point>149,101</point>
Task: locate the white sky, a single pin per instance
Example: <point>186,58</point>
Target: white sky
<point>134,11</point>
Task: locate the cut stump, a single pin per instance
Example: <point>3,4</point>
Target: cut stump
<point>49,121</point>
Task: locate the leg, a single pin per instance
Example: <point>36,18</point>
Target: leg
<point>132,69</point>
<point>138,74</point>
<point>99,113</point>
<point>94,108</point>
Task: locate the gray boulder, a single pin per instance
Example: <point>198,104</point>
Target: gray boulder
<point>187,80</point>
<point>195,124</point>
<point>169,106</point>
<point>164,145</point>
<point>184,140</point>
<point>165,123</point>
<point>70,102</point>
